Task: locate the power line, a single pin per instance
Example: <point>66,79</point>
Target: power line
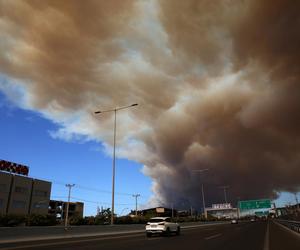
<point>61,183</point>
<point>102,191</point>
<point>101,202</point>
<point>87,188</point>
<point>59,197</point>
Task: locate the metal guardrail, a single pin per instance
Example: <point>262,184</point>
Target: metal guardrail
<point>293,225</point>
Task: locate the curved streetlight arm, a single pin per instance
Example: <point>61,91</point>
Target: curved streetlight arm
<point>125,107</point>
<point>105,111</point>
<point>115,109</point>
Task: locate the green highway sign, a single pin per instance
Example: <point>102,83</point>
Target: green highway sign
<point>255,204</point>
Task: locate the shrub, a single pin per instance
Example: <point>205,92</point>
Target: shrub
<point>12,220</point>
<point>41,220</point>
<point>77,221</point>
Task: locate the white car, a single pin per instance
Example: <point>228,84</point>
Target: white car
<point>161,225</point>
<point>234,221</point>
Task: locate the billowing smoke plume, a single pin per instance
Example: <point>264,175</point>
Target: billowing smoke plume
<point>217,84</point>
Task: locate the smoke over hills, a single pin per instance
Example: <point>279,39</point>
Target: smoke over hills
<point>217,84</point>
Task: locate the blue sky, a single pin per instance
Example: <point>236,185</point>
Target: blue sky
<point>27,140</point>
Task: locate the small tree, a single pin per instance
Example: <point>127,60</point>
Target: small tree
<point>103,216</point>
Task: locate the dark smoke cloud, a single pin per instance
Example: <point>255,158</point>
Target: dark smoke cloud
<point>217,83</point>
<point>247,134</point>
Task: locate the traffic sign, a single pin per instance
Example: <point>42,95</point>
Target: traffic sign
<point>255,204</point>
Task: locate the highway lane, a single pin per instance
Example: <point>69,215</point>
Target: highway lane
<point>246,236</point>
<point>281,238</point>
<point>28,233</point>
<point>210,237</point>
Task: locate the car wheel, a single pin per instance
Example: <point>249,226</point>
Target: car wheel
<point>178,231</point>
<point>148,235</point>
<point>168,232</point>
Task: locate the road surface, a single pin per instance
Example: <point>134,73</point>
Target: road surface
<point>260,235</point>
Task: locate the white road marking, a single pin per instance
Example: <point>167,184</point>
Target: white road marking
<point>205,225</point>
<point>267,238</point>
<point>213,236</point>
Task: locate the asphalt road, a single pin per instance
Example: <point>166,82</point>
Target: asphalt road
<point>25,233</point>
<point>246,236</point>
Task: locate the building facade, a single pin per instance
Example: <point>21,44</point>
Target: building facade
<point>5,185</point>
<point>158,211</point>
<point>21,195</point>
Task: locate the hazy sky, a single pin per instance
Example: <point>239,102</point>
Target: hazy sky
<point>217,83</point>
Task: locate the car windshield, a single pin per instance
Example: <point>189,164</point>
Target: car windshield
<point>156,220</point>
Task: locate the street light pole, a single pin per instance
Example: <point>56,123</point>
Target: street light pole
<point>114,156</point>
<point>113,173</point>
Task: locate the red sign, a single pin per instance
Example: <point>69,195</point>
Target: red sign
<point>13,167</point>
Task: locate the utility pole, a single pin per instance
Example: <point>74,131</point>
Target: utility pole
<point>202,190</point>
<point>203,202</point>
<point>238,207</point>
<point>296,198</point>
<point>136,197</point>
<point>225,195</point>
<point>275,208</point>
<point>297,202</point>
<point>67,210</point>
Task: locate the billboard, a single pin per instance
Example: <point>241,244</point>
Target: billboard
<point>13,167</point>
<point>222,206</point>
<point>160,210</point>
